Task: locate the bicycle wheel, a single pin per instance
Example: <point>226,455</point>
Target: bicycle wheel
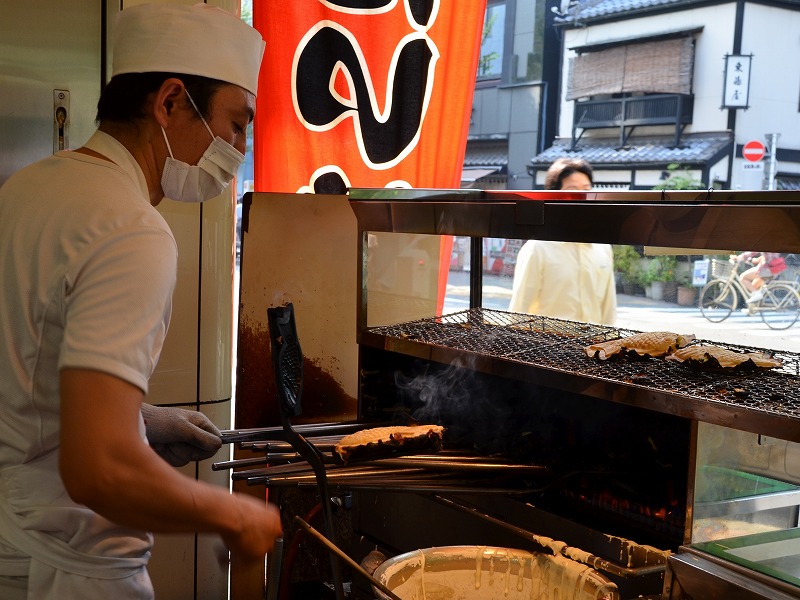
<point>780,307</point>
<point>718,299</point>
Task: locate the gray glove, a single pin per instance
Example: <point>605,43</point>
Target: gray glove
<point>180,436</point>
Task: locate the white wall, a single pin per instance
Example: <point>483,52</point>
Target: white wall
<point>712,43</point>
<point>770,34</point>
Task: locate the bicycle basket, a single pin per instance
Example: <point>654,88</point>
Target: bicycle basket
<point>720,268</point>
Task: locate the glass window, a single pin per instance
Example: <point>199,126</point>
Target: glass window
<point>490,63</point>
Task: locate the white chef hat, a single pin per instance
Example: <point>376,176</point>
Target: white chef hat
<point>192,40</point>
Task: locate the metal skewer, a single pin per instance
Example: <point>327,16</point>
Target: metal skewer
<point>277,433</point>
<point>353,564</point>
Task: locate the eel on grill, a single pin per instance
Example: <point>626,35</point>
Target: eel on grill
<point>655,344</point>
<point>714,357</point>
<point>385,442</point>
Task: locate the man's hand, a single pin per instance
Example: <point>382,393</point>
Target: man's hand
<point>180,436</point>
<point>258,525</point>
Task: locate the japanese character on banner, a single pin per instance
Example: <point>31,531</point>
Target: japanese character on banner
<point>364,93</point>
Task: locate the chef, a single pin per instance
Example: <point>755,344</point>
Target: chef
<point>88,270</point>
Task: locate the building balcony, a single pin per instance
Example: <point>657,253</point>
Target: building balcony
<point>628,113</point>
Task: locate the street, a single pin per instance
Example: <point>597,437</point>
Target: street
<point>642,314</point>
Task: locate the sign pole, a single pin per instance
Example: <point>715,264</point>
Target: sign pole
<point>753,153</point>
<point>772,141</point>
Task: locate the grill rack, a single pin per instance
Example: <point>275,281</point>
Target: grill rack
<point>557,345</point>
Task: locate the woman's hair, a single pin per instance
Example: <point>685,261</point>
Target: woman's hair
<point>124,98</point>
<point>563,168</point>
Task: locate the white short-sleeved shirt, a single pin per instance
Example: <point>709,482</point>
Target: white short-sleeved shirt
<point>88,268</point>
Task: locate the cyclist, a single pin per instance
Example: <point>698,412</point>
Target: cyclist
<point>765,265</point>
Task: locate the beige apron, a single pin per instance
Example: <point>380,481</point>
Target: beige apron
<point>74,552</point>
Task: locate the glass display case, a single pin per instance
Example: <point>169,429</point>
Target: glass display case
<point>424,278</point>
<point>436,264</point>
<point>747,501</point>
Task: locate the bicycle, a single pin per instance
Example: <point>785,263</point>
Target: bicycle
<point>779,308</point>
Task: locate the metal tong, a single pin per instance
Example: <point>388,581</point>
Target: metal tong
<point>287,362</point>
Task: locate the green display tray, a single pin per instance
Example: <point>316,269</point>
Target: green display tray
<point>716,484</point>
<point>773,553</point>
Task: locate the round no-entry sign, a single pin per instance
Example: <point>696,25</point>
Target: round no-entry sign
<point>754,151</point>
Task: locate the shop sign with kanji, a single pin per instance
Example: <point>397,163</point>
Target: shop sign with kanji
<point>737,81</point>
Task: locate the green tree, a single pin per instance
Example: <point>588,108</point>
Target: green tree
<point>486,60</point>
<point>680,179</point>
<point>247,11</point>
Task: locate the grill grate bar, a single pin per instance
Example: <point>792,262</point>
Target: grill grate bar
<point>558,345</point>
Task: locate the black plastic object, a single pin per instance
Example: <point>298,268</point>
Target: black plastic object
<point>287,362</point>
<point>287,359</point>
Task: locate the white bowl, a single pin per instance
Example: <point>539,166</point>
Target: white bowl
<point>489,573</point>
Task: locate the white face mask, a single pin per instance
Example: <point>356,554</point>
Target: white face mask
<point>212,174</point>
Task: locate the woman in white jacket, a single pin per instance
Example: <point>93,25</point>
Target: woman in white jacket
<point>566,280</point>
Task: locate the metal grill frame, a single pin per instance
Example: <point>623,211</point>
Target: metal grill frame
<point>552,351</point>
<point>711,221</point>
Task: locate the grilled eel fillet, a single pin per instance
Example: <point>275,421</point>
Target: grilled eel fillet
<point>651,343</point>
<point>384,442</point>
<point>716,357</point>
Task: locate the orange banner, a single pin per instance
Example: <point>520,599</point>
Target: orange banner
<point>364,93</point>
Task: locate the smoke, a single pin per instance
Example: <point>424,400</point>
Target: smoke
<point>439,392</point>
<point>483,413</point>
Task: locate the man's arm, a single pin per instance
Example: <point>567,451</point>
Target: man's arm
<point>106,465</point>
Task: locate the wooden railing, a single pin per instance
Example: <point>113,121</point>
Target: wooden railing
<point>628,113</point>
